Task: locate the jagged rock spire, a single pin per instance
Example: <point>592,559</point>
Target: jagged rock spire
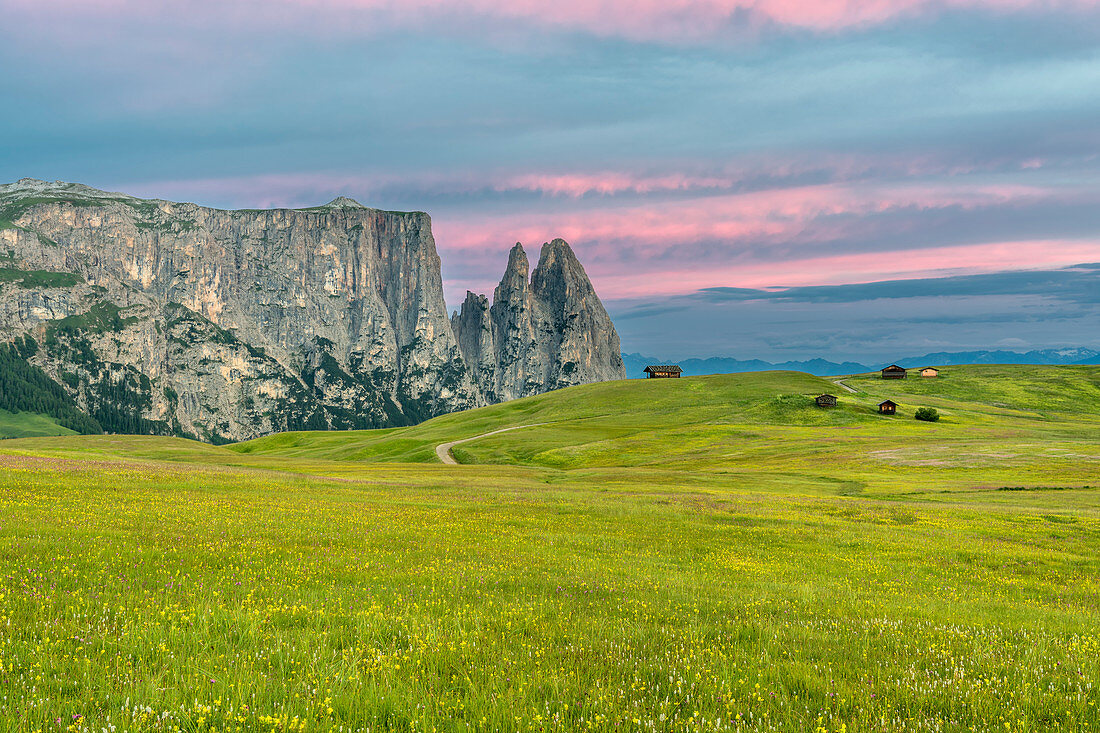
<point>544,333</point>
<point>515,274</point>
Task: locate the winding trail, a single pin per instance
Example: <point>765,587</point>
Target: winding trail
<point>443,450</point>
<point>840,383</point>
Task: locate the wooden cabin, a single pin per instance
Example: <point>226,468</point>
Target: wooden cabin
<point>894,372</point>
<point>663,371</point>
<point>930,372</point>
<point>889,407</point>
<point>826,400</point>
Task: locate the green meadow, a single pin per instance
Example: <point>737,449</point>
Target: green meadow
<point>29,425</point>
<point>710,553</point>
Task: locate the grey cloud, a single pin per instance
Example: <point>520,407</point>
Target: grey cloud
<point>1080,284</point>
<point>844,323</point>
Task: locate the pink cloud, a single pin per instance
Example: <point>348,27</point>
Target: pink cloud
<point>684,20</point>
<point>302,189</point>
<point>659,20</point>
<point>610,183</point>
<point>860,268</point>
<point>311,188</point>
<point>777,214</point>
<point>758,239</point>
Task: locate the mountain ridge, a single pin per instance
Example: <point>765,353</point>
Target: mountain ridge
<point>229,324</point>
<point>635,362</point>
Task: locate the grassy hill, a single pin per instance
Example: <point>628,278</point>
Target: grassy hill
<point>766,423</point>
<point>29,425</point>
<point>1000,426</point>
<point>594,411</point>
<point>711,553</point>
<point>1055,392</point>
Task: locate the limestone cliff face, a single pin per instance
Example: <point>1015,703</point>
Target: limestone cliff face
<point>172,318</point>
<point>540,334</point>
<point>231,324</point>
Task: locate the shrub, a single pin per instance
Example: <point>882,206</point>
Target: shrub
<point>928,414</point>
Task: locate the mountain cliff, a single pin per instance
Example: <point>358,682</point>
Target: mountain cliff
<point>163,317</point>
<point>538,335</point>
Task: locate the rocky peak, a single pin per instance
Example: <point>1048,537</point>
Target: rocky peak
<point>559,273</point>
<point>549,332</point>
<point>343,202</point>
<point>514,282</point>
<point>557,249</point>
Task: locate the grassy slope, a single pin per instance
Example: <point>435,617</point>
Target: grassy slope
<point>683,555</point>
<point>599,410</point>
<point>29,425</point>
<point>1012,424</point>
<point>1031,390</point>
<point>1001,427</point>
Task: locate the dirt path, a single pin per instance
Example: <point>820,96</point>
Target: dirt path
<point>443,450</point>
<point>840,383</point>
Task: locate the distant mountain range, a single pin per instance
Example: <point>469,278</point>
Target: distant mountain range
<point>635,363</point>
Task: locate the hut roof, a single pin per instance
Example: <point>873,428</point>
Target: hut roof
<point>888,402</point>
<point>662,368</point>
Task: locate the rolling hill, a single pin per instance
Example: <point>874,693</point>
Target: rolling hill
<point>764,427</point>
<point>1000,426</point>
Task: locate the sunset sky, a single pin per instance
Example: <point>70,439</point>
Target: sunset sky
<point>692,152</point>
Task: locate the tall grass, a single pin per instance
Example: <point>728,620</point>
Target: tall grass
<point>732,573</point>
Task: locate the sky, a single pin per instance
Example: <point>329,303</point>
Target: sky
<point>711,161</point>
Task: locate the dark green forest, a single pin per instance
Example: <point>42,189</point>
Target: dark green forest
<point>26,388</point>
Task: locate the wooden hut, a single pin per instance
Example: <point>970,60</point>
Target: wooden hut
<point>663,371</point>
<point>930,372</point>
<point>894,372</point>
<point>889,407</point>
<point>826,400</point>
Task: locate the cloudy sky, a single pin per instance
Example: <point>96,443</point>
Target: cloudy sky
<point>736,175</point>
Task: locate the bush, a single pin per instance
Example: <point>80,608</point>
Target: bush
<point>928,414</point>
